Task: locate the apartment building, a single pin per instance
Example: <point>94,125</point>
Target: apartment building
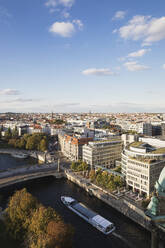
<point>129,138</point>
<point>141,165</point>
<point>104,152</point>
<point>71,146</point>
<point>163,130</point>
<point>147,129</point>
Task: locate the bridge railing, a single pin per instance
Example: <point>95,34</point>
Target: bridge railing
<point>27,170</point>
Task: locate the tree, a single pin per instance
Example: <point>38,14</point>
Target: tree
<point>12,142</point>
<point>84,166</point>
<point>79,166</point>
<point>118,182</point>
<point>26,136</point>
<point>111,185</point>
<point>43,145</point>
<point>30,145</point>
<point>118,169</point>
<point>22,143</point>
<point>48,230</point>
<point>15,133</point>
<point>33,142</point>
<point>92,175</point>
<point>41,218</point>
<point>99,180</point>
<point>18,212</point>
<point>60,234</point>
<point>74,166</point>
<point>35,225</point>
<point>8,134</point>
<point>105,179</point>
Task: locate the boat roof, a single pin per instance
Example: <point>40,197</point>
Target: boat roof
<point>69,199</point>
<point>101,221</point>
<point>84,210</point>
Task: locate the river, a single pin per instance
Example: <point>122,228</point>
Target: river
<point>49,190</point>
<point>7,161</point>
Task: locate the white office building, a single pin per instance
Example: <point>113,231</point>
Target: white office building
<point>141,165</point>
<point>103,153</point>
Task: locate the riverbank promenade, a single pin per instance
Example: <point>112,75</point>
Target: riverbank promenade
<point>122,205</point>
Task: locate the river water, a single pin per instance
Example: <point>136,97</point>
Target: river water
<point>49,190</point>
<point>7,161</point>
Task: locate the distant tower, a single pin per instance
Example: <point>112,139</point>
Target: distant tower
<point>52,115</point>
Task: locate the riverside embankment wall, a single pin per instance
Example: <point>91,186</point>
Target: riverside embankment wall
<point>121,205</point>
<point>34,154</point>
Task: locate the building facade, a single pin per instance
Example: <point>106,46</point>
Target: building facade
<point>141,165</point>
<point>163,130</point>
<point>147,129</point>
<point>71,146</point>
<point>103,153</point>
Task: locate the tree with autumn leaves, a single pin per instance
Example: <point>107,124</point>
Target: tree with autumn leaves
<point>106,180</point>
<point>35,225</point>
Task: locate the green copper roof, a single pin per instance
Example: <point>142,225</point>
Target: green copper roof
<point>161,180</point>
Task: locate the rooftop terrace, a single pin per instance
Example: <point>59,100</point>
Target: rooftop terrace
<point>149,149</point>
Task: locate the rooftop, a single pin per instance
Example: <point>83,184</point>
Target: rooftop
<point>149,149</point>
<point>95,142</point>
<point>159,151</point>
<point>144,160</point>
<point>136,144</point>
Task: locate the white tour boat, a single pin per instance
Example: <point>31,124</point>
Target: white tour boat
<point>19,155</point>
<point>87,214</point>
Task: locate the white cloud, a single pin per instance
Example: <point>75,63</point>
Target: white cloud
<point>98,72</point>
<point>119,15</point>
<point>10,92</point>
<point>25,100</point>
<point>64,29</point>
<point>65,14</point>
<point>51,3</point>
<point>55,3</point>
<point>145,28</point>
<point>134,66</point>
<point>138,53</point>
<point>78,23</point>
<point>17,101</point>
<point>115,31</point>
<point>67,3</point>
<point>163,66</point>
<point>61,6</point>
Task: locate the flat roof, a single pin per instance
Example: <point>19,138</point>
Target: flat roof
<point>101,221</point>
<point>144,145</point>
<point>84,210</point>
<point>69,199</point>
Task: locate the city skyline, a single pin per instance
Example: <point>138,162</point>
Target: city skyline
<point>76,56</point>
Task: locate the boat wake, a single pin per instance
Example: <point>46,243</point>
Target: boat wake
<point>123,239</point>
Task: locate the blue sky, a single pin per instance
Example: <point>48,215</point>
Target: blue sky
<point>81,55</point>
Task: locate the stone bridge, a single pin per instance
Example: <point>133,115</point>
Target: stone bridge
<point>12,176</point>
